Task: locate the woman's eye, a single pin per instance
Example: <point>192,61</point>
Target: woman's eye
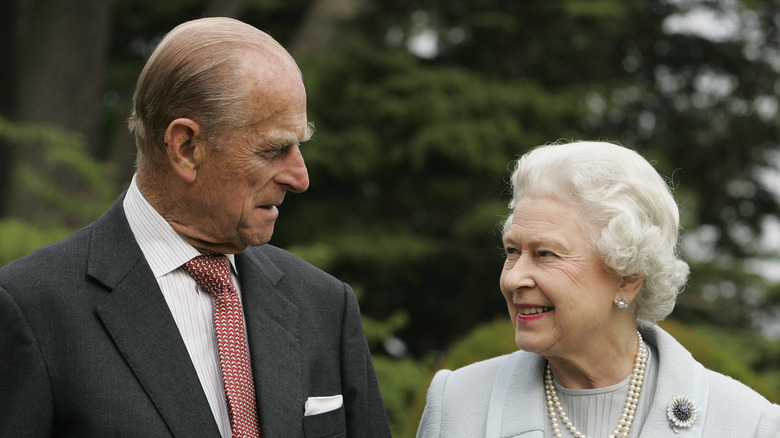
<point>545,253</point>
<point>508,252</point>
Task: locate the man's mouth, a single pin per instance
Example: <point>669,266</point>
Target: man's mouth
<point>533,310</point>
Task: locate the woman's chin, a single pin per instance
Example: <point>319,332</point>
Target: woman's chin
<point>527,342</point>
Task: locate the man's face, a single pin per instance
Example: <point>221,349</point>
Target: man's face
<point>238,189</point>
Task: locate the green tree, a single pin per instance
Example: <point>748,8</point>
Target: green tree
<point>701,105</point>
<point>408,172</point>
<point>62,153</point>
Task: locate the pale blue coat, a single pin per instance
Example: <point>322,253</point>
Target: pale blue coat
<point>458,401</point>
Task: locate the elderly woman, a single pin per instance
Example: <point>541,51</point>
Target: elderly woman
<point>591,265</point>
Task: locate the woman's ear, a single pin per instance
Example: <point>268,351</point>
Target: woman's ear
<point>630,287</point>
<point>185,148</point>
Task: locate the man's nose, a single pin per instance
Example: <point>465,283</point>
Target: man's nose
<point>295,176</point>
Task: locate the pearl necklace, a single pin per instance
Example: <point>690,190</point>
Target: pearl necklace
<point>629,410</point>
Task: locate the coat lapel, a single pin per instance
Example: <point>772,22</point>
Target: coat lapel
<point>137,317</point>
<point>274,344</point>
<point>675,377</point>
<point>525,410</point>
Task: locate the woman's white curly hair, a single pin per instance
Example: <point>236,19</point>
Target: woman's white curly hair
<point>630,209</point>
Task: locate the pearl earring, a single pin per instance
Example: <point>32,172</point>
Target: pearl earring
<point>621,303</point>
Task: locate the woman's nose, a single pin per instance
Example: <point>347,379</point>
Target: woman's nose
<point>518,276</point>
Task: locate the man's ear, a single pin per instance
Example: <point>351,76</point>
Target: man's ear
<point>185,148</point>
<point>630,286</point>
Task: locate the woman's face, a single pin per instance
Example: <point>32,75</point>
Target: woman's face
<point>559,294</point>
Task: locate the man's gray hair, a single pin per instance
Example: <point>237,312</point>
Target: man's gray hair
<point>196,72</point>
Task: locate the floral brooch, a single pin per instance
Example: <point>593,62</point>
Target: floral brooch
<point>681,412</point>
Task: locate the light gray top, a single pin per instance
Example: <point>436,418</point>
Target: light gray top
<point>596,412</point>
<point>458,401</point>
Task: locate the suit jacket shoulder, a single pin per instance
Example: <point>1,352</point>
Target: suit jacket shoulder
<point>276,263</point>
<point>457,399</point>
<point>105,249</point>
<point>86,321</point>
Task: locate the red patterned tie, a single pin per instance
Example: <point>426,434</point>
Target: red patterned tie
<point>212,272</point>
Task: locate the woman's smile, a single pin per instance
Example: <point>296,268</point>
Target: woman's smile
<point>522,310</point>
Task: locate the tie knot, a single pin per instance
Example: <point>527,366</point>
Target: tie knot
<point>211,271</point>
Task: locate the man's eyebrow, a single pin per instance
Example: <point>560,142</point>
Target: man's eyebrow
<point>310,129</point>
<point>281,139</point>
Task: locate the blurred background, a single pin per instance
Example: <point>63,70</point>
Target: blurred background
<point>420,106</point>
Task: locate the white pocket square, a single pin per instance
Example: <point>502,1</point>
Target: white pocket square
<point>320,405</point>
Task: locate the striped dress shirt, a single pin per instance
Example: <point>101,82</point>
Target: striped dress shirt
<point>191,306</point>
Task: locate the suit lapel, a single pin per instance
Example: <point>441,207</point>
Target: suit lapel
<point>137,317</point>
<point>274,344</point>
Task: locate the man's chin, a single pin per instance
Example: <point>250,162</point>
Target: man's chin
<point>233,245</point>
<point>255,239</point>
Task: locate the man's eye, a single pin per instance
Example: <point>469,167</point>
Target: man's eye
<point>270,153</point>
<point>274,151</point>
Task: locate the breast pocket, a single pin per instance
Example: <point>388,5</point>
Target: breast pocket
<point>330,424</point>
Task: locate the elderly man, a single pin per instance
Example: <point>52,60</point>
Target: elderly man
<point>170,316</point>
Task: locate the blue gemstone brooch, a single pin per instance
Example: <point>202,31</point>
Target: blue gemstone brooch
<point>681,412</point>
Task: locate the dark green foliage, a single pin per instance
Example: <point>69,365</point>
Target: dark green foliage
<point>400,381</point>
<point>703,109</point>
<point>20,238</point>
<point>408,170</point>
<point>63,155</point>
<point>726,352</point>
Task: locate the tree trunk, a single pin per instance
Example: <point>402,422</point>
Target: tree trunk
<point>323,26</point>
<point>9,11</point>
<point>63,49</point>
<point>63,52</point>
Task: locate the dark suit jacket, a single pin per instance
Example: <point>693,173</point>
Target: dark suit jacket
<point>88,346</point>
